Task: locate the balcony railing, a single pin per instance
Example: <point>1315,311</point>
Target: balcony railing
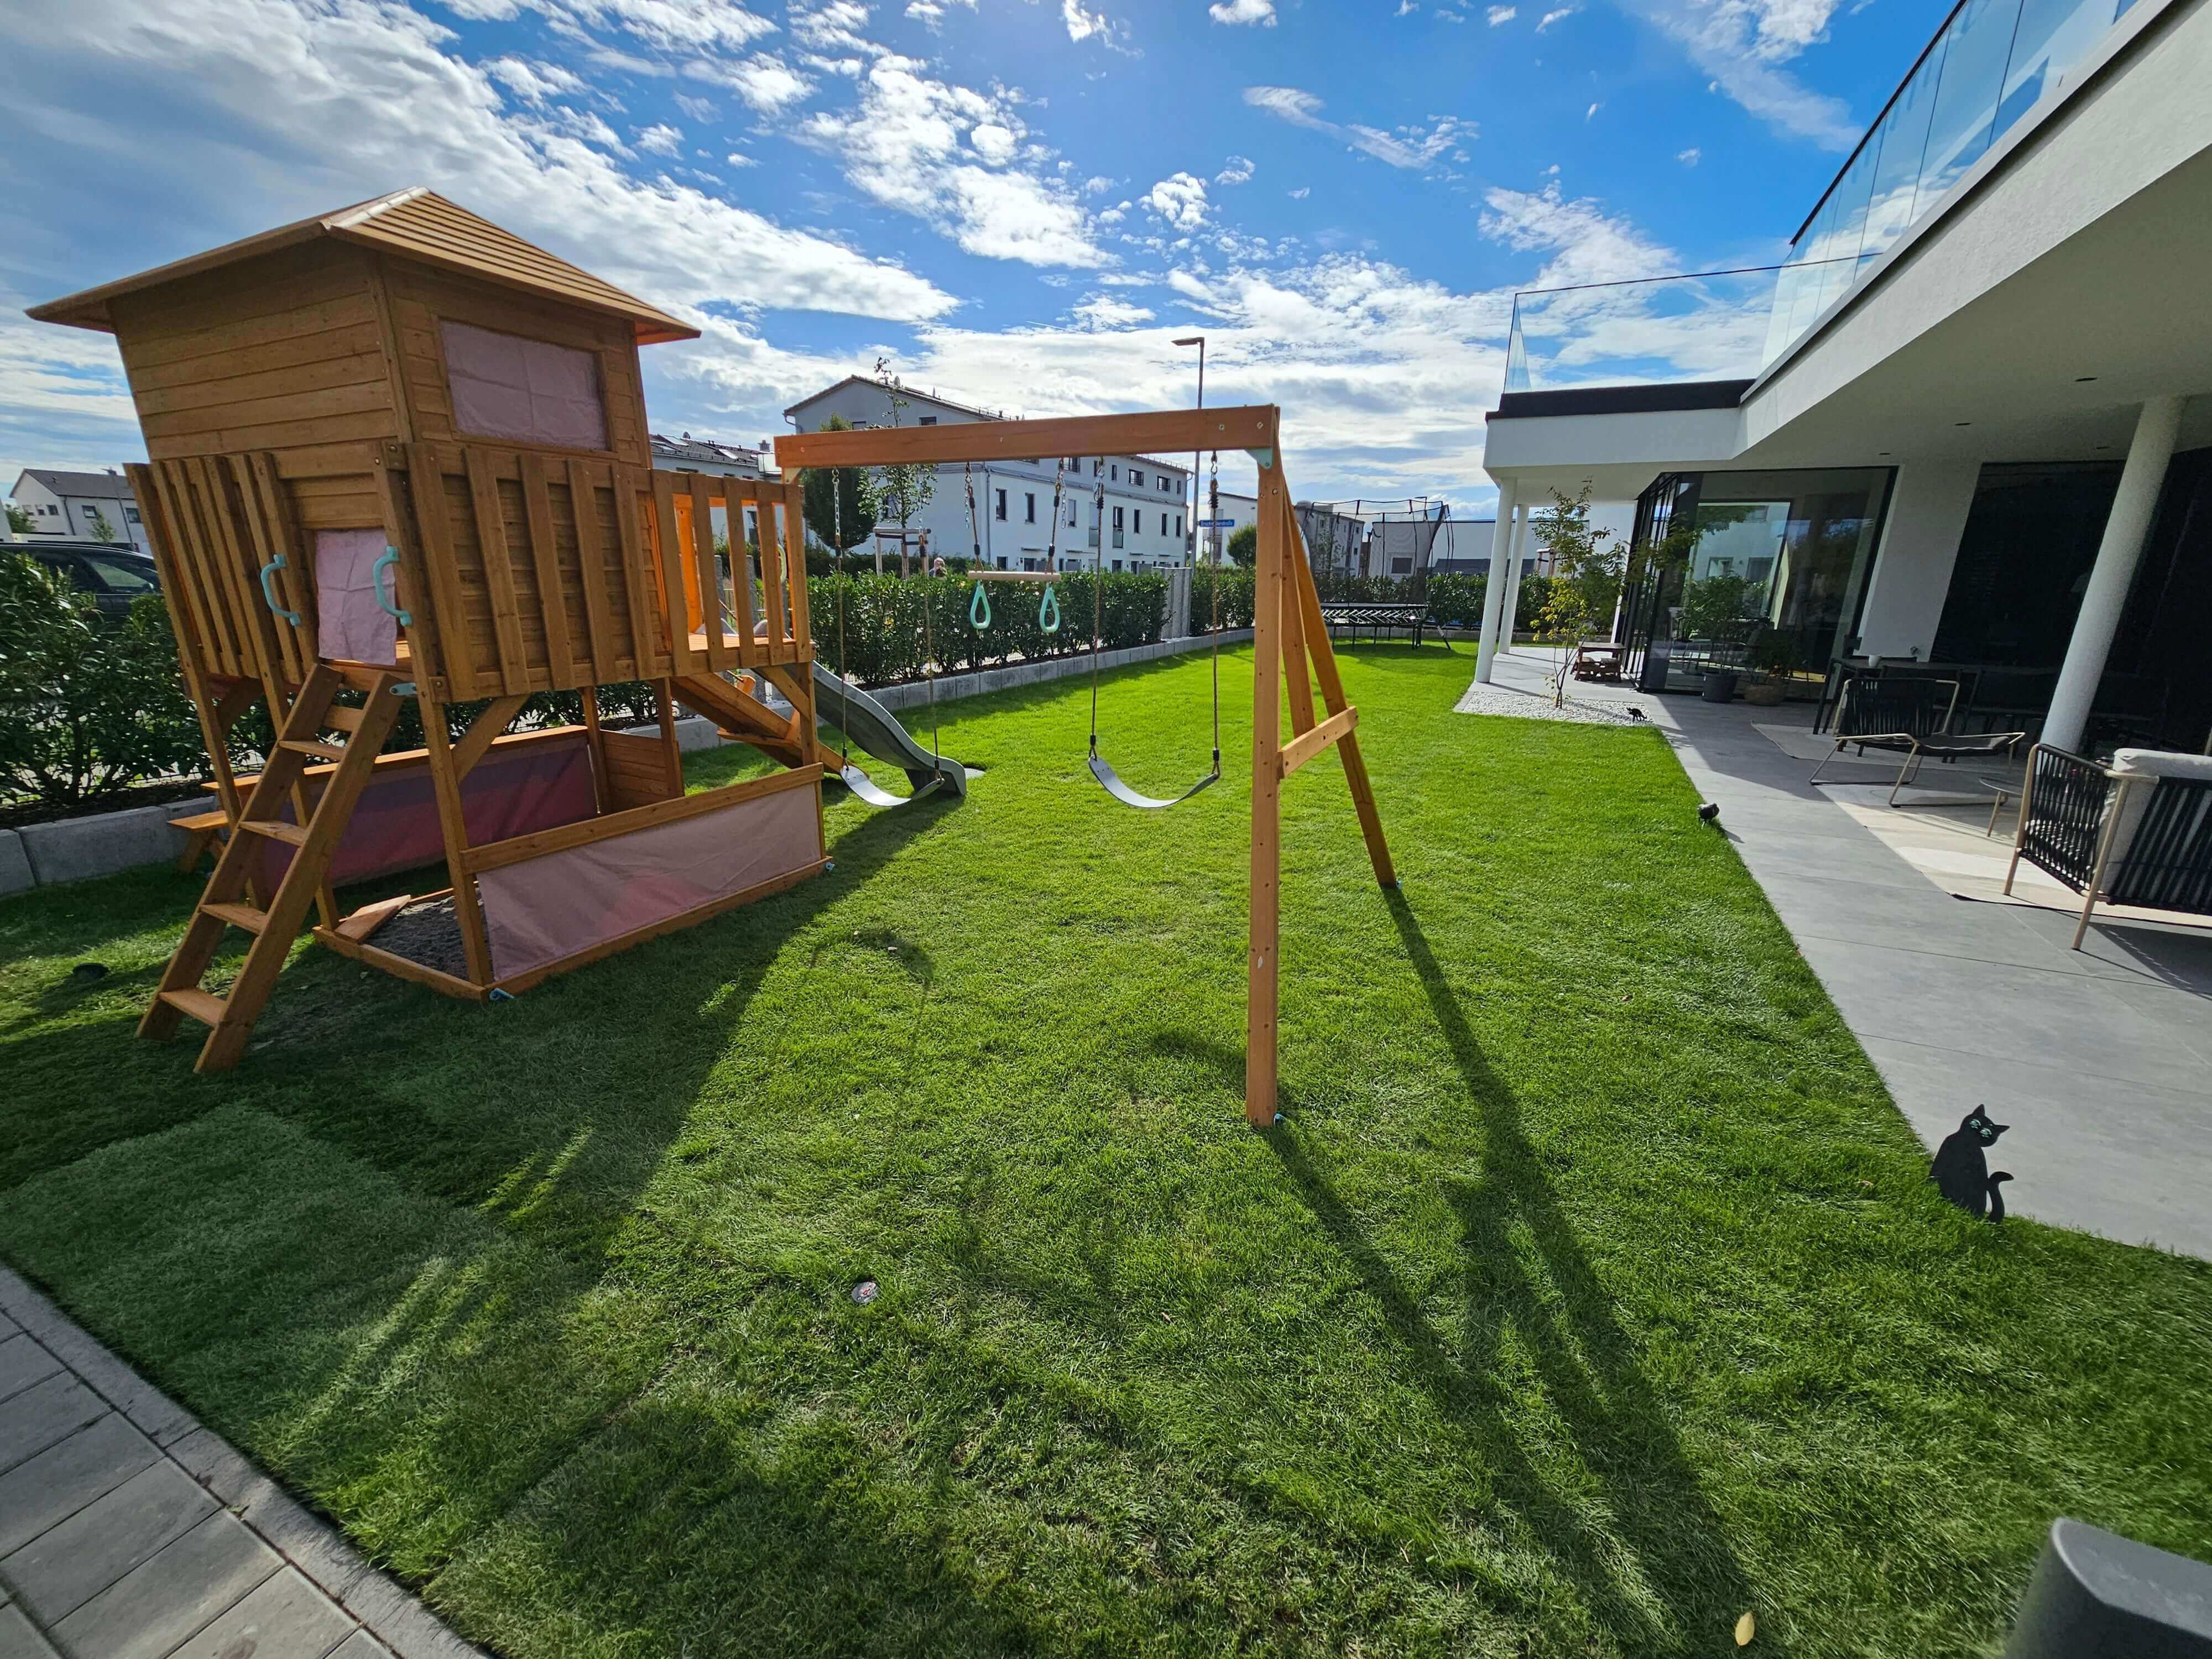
<point>1990,63</point>
<point>1717,325</point>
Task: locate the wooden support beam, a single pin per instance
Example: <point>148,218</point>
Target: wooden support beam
<point>483,729</point>
<point>1308,598</point>
<point>1303,748</point>
<point>1261,965</point>
<point>1166,430</point>
<point>445,785</point>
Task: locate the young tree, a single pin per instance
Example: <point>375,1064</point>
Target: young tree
<point>1586,570</point>
<point>841,502</point>
<point>1244,546</point>
<point>101,530</point>
<point>903,489</point>
<point>19,519</point>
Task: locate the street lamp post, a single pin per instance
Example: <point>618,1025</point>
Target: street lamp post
<point>1198,340</point>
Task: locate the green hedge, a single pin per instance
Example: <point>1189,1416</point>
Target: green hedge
<point>884,617</point>
<point>1455,600</point>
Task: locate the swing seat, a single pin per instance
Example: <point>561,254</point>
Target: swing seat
<point>877,796</point>
<point>1111,781</point>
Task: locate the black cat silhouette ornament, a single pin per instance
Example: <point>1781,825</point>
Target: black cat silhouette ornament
<point>1962,1170</point>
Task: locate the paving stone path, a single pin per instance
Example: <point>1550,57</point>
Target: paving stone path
<point>127,1531</point>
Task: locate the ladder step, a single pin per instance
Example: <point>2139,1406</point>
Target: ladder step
<point>240,915</point>
<point>329,752</point>
<point>202,1006</point>
<point>340,718</point>
<point>276,829</point>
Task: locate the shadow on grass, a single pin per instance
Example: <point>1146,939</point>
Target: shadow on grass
<point>1584,1361</point>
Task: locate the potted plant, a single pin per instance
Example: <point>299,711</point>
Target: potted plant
<point>1776,656</point>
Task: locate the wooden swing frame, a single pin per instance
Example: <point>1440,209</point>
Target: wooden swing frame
<point>1292,650</point>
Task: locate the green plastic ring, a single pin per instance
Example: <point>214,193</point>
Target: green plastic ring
<point>979,610</point>
<point>1048,610</point>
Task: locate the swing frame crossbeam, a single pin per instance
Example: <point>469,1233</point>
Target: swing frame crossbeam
<point>1293,657</point>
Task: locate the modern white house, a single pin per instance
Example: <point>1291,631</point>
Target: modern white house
<point>1122,511</point>
<point>690,455</point>
<point>80,507</point>
<point>1967,424</point>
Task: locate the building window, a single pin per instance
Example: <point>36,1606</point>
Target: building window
<point>1113,474</point>
<point>504,385</point>
<point>1117,518</point>
<point>1071,515</point>
<point>1029,507</point>
<point>1178,524</point>
<point>1117,564</point>
<point>928,420</point>
<point>1001,511</point>
<point>130,515</point>
<point>1136,478</point>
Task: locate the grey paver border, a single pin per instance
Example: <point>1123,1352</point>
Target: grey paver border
<point>305,1540</point>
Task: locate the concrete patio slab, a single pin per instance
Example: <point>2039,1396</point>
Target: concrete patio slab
<point>128,1531</point>
<point>2100,1059</point>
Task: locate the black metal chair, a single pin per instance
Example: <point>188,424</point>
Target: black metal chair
<point>2117,835</point>
<point>1908,715</point>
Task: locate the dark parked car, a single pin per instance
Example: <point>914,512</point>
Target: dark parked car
<point>115,574</point>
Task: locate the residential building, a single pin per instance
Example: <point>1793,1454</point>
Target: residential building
<point>77,506</point>
<point>1126,512</point>
<point>690,455</point>
<point>1966,423</point>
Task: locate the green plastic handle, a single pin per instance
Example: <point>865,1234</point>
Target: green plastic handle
<point>376,583</point>
<point>1048,610</point>
<point>979,610</point>
<point>269,591</point>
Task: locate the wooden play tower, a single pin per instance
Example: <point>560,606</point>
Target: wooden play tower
<point>398,454</point>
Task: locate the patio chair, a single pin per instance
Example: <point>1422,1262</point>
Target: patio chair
<point>2137,832</point>
<point>1908,715</point>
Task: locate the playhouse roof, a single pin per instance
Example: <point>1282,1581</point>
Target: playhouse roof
<point>417,224</point>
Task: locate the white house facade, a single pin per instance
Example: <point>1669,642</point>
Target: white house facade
<point>76,506</point>
<point>1968,423</point>
<point>1124,512</point>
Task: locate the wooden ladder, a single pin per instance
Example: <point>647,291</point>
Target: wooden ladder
<point>305,741</point>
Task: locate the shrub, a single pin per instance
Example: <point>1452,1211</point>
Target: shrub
<point>887,620</point>
<point>86,706</point>
<point>1236,596</point>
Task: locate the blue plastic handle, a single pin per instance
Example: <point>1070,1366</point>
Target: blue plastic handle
<point>269,591</point>
<point>979,610</point>
<point>405,619</point>
<point>1048,610</point>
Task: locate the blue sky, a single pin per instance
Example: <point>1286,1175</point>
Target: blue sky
<point>1016,202</point>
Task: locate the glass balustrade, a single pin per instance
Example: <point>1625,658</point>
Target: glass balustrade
<point>1992,62</point>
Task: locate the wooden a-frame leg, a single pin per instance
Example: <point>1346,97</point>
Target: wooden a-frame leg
<point>446,784</point>
<point>1347,747</point>
<point>1260,964</point>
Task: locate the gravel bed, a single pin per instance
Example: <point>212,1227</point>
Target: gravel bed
<point>1481,699</point>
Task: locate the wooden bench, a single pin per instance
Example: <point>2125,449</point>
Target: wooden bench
<point>200,830</point>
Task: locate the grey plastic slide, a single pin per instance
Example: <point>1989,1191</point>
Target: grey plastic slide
<point>878,731</point>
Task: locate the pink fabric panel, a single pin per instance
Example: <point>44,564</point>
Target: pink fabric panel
<point>510,793</point>
<point>350,626</point>
<point>533,390</point>
<point>552,907</point>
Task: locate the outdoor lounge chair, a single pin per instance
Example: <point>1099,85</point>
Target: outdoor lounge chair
<point>1909,716</point>
<point>2137,832</point>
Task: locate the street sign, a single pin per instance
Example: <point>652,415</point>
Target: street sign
<point>1217,524</point>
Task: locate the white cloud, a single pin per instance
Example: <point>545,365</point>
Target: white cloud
<point>1558,17</point>
<point>932,12</point>
<point>1689,157</point>
<point>1407,147</point>
<point>1180,199</point>
<point>834,28</point>
<point>1592,110</point>
<point>736,160</point>
<point>1092,25</point>
<point>1587,245</point>
<point>1236,171</point>
<point>1103,311</point>
<point>533,83</point>
<point>699,109</point>
<point>1244,11</point>
<point>1405,6</point>
<point>943,153</point>
<point>764,81</point>
<point>1501,14</point>
<point>695,25</point>
<point>1302,192</point>
<point>1097,183</point>
<point>1741,45</point>
<point>661,140</point>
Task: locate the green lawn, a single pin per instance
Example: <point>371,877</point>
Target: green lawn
<point>1589,1293</point>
